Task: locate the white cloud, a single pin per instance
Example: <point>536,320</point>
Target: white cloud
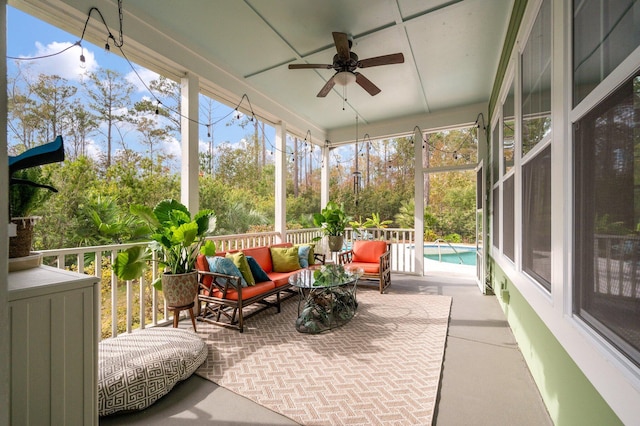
<point>92,150</point>
<point>146,75</point>
<point>67,64</point>
<point>172,147</point>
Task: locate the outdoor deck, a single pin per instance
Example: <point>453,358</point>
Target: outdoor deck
<point>484,376</point>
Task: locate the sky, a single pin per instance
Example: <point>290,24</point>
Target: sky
<point>43,39</point>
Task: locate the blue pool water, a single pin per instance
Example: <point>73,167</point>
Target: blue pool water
<point>462,255</point>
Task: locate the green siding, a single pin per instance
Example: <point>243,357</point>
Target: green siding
<point>569,396</point>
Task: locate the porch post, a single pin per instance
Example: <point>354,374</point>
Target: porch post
<point>189,132</point>
<point>324,177</point>
<point>4,235</point>
<point>281,179</point>
<point>419,204</point>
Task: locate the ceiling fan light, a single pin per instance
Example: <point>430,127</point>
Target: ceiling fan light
<point>344,77</point>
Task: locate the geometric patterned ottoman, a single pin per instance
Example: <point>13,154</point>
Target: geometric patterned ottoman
<point>135,370</point>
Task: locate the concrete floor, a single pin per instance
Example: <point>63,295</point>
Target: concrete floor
<point>485,380</point>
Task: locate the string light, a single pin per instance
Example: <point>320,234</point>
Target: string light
<point>82,58</point>
<point>435,148</point>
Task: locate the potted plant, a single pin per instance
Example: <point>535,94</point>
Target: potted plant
<point>359,227</point>
<point>24,196</point>
<point>333,220</point>
<point>177,238</point>
<point>25,193</point>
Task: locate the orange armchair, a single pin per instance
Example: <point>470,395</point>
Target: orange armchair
<point>374,257</point>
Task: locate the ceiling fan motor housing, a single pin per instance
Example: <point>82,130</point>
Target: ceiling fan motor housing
<point>350,65</point>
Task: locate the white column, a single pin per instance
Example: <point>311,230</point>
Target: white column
<point>281,181</point>
<point>189,131</point>
<point>324,177</point>
<point>419,203</point>
<point>4,220</point>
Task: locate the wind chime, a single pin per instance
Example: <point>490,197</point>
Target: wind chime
<point>357,176</point>
<point>357,181</point>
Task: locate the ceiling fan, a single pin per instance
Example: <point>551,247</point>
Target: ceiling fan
<point>345,63</point>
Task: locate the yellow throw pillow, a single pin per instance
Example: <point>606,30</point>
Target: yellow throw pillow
<point>285,259</point>
<point>240,261</point>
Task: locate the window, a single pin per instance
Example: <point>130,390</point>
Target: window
<point>536,217</point>
<point>508,136</point>
<point>536,81</point>
<point>495,154</point>
<point>607,218</point>
<point>605,32</point>
<point>536,132</point>
<point>508,218</point>
<point>496,217</point>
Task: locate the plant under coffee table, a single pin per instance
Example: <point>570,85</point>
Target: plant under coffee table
<point>327,297</point>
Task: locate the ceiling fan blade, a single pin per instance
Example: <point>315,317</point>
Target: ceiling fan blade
<point>395,58</point>
<point>305,66</point>
<point>342,45</point>
<point>366,84</point>
<point>327,88</point>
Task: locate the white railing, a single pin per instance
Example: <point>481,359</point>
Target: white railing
<point>130,305</point>
<point>133,304</point>
<point>616,265</point>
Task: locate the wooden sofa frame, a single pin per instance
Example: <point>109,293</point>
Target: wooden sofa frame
<point>383,277</point>
<point>213,307</point>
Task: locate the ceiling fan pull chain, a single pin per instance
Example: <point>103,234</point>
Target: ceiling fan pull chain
<point>344,96</point>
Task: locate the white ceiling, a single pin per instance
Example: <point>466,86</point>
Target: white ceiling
<point>451,50</point>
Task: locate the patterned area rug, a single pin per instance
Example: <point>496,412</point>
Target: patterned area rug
<point>383,367</point>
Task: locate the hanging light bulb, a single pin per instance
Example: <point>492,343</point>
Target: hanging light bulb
<point>82,58</point>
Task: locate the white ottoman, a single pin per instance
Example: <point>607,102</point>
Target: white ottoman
<point>135,370</point>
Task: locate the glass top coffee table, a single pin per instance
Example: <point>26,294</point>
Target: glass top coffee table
<point>327,297</point>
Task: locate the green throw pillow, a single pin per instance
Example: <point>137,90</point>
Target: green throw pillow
<point>285,259</point>
<point>240,261</point>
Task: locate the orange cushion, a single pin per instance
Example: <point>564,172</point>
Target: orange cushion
<point>262,255</point>
<point>368,251</point>
<point>280,278</point>
<point>247,292</point>
<point>203,265</point>
<point>367,267</point>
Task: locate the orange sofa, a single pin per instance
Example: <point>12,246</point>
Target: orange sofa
<point>222,296</point>
<point>374,257</point>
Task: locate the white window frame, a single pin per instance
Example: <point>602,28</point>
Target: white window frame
<point>615,378</point>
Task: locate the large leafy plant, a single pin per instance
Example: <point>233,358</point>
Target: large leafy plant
<point>24,198</point>
<point>332,219</point>
<point>175,237</point>
<point>374,221</point>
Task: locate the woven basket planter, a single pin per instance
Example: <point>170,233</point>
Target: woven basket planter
<point>20,245</point>
<point>180,289</point>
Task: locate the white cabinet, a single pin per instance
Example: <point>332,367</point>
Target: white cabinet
<point>54,326</point>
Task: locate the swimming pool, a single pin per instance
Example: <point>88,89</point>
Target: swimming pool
<point>464,255</point>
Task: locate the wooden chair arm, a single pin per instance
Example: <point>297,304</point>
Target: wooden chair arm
<point>220,282</point>
<point>321,257</point>
<point>385,261</point>
<point>345,257</point>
